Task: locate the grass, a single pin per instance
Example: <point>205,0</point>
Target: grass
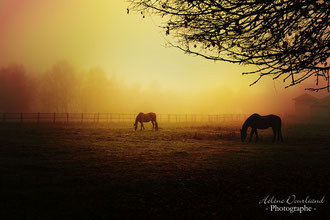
<point>187,171</point>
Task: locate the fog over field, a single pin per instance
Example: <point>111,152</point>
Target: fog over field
<point>66,88</point>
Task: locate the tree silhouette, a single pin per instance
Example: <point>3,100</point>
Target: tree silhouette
<point>16,89</point>
<point>58,87</point>
<point>286,39</point>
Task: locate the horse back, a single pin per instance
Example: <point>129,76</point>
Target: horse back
<point>273,117</point>
<point>152,116</point>
<point>146,117</point>
<point>274,120</point>
<point>264,122</point>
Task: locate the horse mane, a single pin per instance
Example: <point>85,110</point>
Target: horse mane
<point>248,121</point>
<point>245,125</point>
<point>137,118</point>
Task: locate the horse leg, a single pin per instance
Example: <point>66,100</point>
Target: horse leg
<point>274,131</point>
<point>153,125</point>
<point>280,135</point>
<point>256,132</point>
<point>251,134</point>
<point>141,125</point>
<point>156,125</point>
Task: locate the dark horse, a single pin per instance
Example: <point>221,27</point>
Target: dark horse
<point>256,121</point>
<point>141,117</point>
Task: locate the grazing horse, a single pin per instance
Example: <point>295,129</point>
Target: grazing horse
<point>256,121</point>
<point>141,117</point>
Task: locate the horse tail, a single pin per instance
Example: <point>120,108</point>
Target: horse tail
<point>280,123</point>
<point>280,131</point>
<point>156,124</point>
<point>280,137</point>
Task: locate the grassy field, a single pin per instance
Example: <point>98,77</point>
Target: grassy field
<point>183,171</point>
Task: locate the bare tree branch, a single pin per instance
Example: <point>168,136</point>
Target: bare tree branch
<point>287,39</point>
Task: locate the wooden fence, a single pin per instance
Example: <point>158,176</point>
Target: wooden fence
<point>114,117</point>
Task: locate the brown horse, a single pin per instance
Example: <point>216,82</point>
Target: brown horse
<point>256,121</point>
<point>141,117</point>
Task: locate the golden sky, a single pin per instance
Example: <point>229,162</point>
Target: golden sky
<point>88,33</point>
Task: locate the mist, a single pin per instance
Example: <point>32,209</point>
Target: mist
<point>65,88</point>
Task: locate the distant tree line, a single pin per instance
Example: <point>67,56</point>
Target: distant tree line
<point>16,89</point>
<point>63,88</point>
<point>60,89</point>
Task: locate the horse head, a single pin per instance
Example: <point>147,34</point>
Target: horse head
<point>243,135</point>
<point>135,125</point>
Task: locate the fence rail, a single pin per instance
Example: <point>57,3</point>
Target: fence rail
<point>114,117</point>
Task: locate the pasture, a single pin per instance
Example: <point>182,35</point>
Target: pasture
<point>182,171</point>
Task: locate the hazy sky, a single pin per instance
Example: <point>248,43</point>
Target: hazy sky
<point>87,33</point>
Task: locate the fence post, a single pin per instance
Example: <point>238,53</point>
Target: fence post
<point>54,117</point>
